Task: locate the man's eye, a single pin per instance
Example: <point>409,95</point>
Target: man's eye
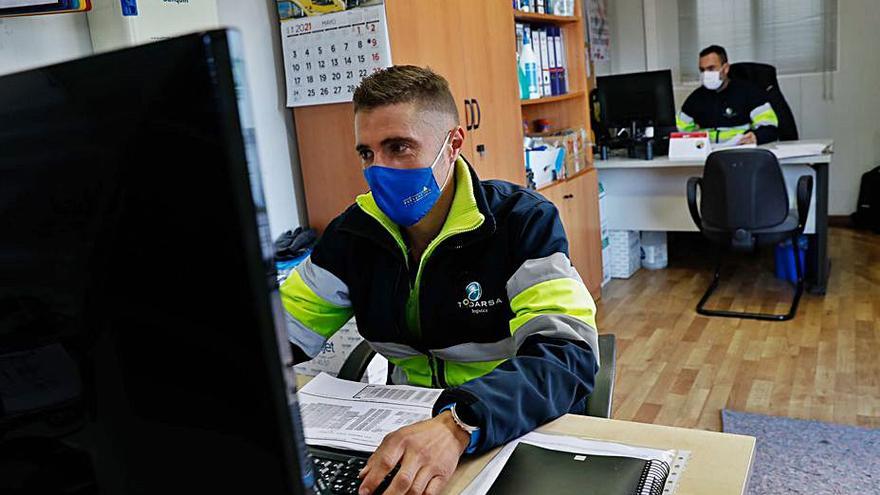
<point>399,148</point>
<point>366,155</point>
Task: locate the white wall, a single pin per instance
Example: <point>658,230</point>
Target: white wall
<point>258,23</point>
<point>30,42</point>
<point>627,27</point>
<point>843,105</point>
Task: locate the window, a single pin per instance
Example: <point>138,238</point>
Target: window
<point>796,36</point>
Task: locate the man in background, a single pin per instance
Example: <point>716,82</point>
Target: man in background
<point>732,110</point>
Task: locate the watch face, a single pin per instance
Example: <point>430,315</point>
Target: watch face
<point>461,418</point>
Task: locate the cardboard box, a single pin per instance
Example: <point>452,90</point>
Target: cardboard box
<point>626,252</point>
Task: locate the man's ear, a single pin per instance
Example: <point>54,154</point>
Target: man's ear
<point>456,141</point>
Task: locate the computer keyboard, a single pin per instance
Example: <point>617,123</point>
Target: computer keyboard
<point>337,473</point>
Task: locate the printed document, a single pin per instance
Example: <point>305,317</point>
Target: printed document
<point>794,150</point>
<point>357,416</point>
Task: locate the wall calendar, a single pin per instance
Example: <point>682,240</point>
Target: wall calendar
<point>326,56</point>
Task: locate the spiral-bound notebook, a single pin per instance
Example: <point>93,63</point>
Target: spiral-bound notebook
<point>533,469</point>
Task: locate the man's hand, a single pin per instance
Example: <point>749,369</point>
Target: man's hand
<point>427,452</point>
<point>748,138</point>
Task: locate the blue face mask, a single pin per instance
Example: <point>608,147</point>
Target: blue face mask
<point>405,195</point>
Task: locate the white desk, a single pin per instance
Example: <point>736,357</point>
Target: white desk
<point>651,195</point>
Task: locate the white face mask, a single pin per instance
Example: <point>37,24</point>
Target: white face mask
<point>712,79</point>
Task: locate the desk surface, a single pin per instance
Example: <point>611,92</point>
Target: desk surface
<point>720,463</point>
<point>664,161</point>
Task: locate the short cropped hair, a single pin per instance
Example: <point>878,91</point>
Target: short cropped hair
<point>405,84</point>
<point>718,50</point>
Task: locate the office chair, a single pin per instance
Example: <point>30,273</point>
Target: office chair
<point>598,403</point>
<point>764,77</point>
<point>744,203</point>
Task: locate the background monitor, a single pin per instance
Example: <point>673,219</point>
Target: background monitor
<point>639,97</point>
<point>140,325</point>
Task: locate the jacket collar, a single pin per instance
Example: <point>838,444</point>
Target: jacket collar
<point>469,215</point>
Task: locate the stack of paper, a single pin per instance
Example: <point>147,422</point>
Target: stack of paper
<point>783,150</point>
<point>357,416</point>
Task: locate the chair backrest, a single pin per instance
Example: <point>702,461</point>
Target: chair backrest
<point>764,77</point>
<point>743,189</point>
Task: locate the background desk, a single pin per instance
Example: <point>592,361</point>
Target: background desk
<point>720,463</point>
<point>651,195</point>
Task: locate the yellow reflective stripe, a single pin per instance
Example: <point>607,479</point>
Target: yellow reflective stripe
<point>369,206</point>
<point>460,373</point>
<point>416,369</point>
<point>560,296</point>
<point>312,311</point>
<point>724,135</point>
<point>685,122</point>
<point>764,115</point>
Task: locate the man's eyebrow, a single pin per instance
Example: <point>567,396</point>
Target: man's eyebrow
<point>389,140</point>
<point>399,140</point>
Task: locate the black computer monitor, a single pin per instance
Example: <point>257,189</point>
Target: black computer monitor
<point>638,97</point>
<point>141,334</point>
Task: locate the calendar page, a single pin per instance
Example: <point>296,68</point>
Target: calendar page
<point>326,56</point>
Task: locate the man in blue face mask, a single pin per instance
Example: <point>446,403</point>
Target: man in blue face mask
<point>462,284</point>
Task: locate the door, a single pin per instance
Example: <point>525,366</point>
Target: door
<point>489,43</point>
<point>581,206</point>
<point>425,34</point>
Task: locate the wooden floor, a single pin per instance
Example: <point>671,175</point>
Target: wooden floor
<point>677,368</point>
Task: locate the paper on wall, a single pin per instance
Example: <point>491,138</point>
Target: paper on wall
<point>327,56</point>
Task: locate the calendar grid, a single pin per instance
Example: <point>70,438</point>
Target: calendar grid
<point>327,56</point>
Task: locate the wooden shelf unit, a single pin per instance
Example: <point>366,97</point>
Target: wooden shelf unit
<point>533,17</point>
<point>552,99</point>
<point>577,196</point>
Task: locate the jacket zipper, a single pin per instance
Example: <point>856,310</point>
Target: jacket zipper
<point>438,371</point>
<point>438,378</point>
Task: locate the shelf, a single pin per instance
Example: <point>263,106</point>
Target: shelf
<point>573,176</point>
<point>552,99</point>
<point>545,18</point>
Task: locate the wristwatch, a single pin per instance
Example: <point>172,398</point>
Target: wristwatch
<point>473,431</point>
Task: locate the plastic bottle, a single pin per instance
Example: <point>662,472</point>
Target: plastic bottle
<point>654,253</point>
<point>522,78</point>
<point>530,66</point>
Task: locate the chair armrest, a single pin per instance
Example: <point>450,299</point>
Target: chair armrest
<point>692,185</point>
<point>599,402</point>
<point>804,196</point>
<point>356,363</point>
